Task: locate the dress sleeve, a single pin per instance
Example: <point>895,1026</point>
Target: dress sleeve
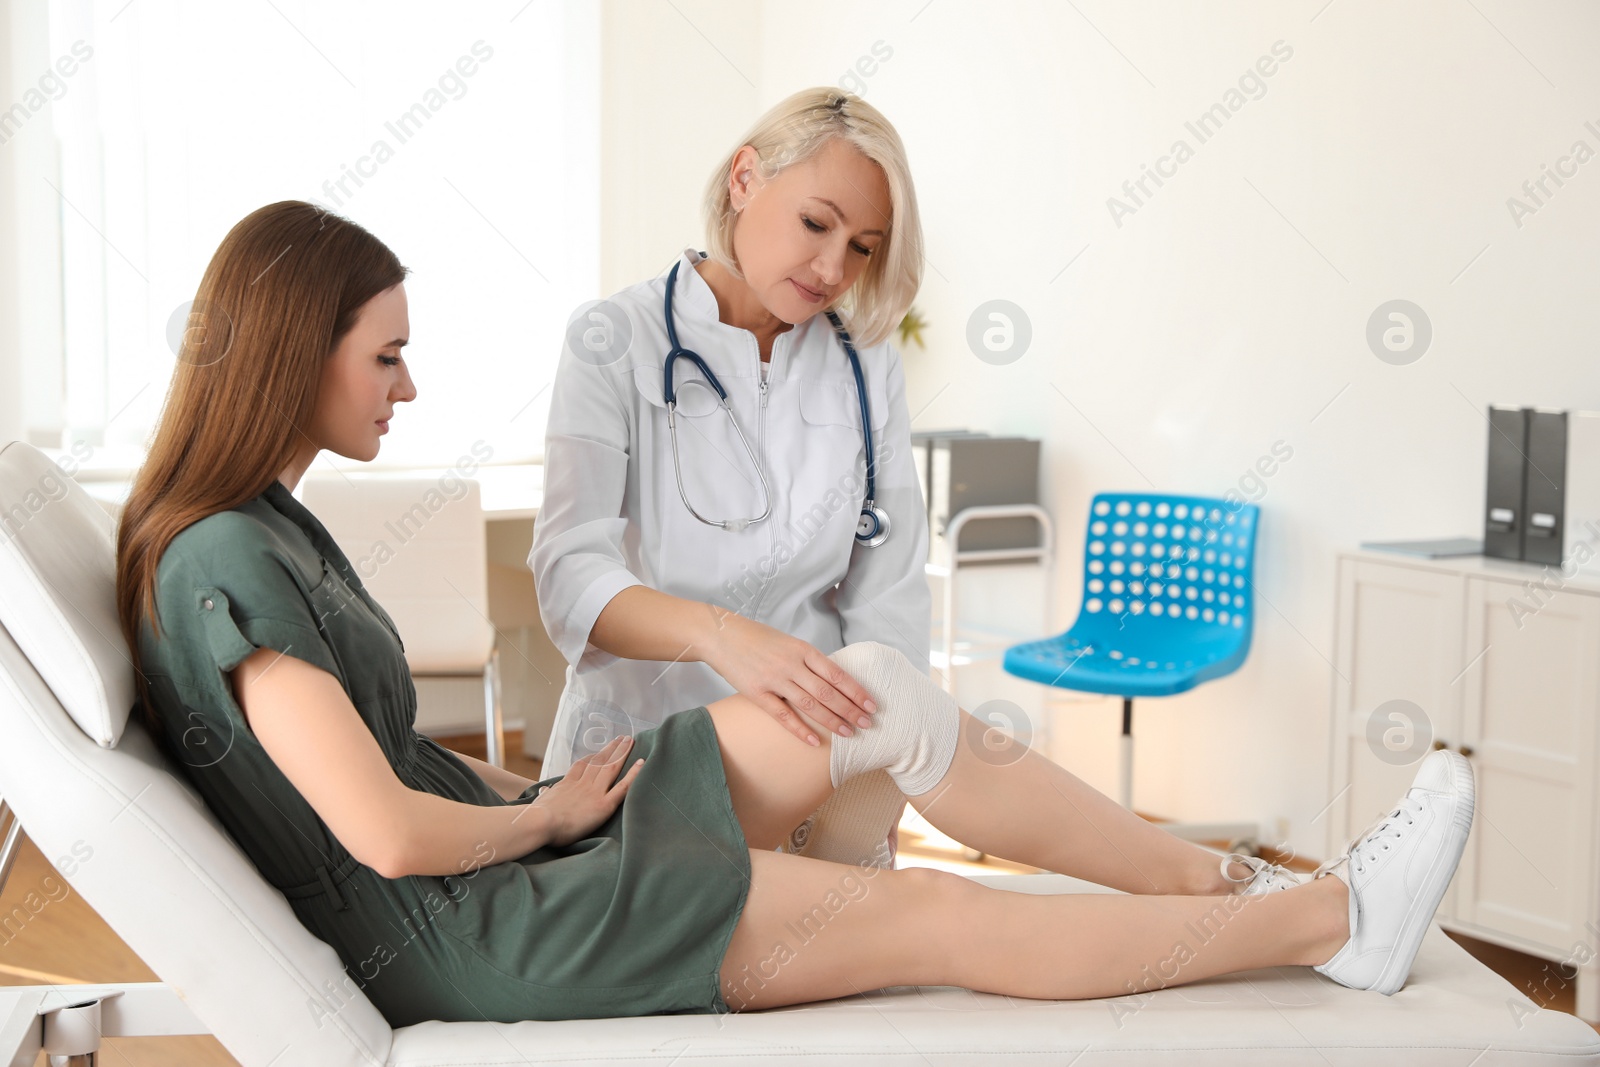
<point>884,595</point>
<point>230,587</point>
<point>577,559</point>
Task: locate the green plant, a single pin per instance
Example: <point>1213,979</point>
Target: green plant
<point>911,328</point>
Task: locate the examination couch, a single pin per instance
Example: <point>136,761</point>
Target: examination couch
<point>235,962</point>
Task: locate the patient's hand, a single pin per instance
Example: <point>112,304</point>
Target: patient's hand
<point>585,797</point>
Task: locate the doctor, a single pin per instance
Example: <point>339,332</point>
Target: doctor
<point>691,546</point>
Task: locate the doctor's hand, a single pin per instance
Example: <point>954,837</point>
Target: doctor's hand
<point>585,797</point>
<point>785,675</point>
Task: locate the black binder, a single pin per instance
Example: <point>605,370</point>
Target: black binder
<point>1544,486</point>
<point>1503,514</point>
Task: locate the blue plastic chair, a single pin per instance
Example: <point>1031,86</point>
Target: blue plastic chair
<point>1168,586</point>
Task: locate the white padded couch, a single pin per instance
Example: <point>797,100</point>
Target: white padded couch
<point>235,962</point>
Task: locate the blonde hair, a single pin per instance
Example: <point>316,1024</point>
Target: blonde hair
<point>793,131</point>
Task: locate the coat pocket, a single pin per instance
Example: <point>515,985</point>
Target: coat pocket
<point>834,403</point>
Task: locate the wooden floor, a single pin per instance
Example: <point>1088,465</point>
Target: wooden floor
<point>66,942</point>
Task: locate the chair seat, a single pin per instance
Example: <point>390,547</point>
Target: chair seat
<point>1166,598</point>
<point>1093,663</point>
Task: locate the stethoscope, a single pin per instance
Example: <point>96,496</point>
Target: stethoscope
<point>872,528</point>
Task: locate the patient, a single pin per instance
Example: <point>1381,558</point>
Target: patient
<point>455,890</point>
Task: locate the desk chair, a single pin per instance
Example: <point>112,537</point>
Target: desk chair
<point>101,799</point>
<point>1167,604</point>
<point>418,546</point>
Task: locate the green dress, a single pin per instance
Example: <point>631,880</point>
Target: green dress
<point>632,920</point>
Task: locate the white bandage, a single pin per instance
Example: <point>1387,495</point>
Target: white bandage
<point>914,729</point>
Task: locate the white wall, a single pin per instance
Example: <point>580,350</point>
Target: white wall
<point>1227,313</point>
<point>671,105</point>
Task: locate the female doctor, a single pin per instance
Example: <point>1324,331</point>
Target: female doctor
<point>714,519</point>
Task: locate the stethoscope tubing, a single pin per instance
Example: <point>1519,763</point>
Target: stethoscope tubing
<point>879,527</point>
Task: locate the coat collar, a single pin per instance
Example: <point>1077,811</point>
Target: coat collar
<point>692,296</point>
<point>693,300</point>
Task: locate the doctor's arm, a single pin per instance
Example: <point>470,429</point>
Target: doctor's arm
<point>576,559</point>
<point>884,595</point>
<point>588,596</point>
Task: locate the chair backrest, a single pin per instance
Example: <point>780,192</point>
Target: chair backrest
<point>1166,570</point>
<point>128,832</point>
<point>58,590</point>
<point>418,546</point>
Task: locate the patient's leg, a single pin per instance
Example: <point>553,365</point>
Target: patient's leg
<point>1007,802</point>
<point>813,930</point>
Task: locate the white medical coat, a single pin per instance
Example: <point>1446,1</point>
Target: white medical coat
<point>612,517</point>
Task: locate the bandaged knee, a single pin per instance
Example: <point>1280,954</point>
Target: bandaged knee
<point>914,729</point>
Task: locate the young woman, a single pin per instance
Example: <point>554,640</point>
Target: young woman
<point>645,879</point>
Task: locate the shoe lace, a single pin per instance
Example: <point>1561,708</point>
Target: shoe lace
<point>1255,863</point>
<point>1375,838</point>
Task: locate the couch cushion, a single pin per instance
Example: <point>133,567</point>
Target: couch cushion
<point>58,590</point>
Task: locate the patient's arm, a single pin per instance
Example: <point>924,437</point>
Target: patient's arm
<point>305,721</point>
<point>508,784</point>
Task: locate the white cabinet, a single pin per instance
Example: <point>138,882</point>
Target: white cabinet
<point>1467,654</point>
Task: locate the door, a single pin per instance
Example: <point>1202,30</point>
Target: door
<point>1530,701</point>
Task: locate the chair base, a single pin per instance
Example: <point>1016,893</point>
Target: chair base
<point>494,731</point>
<point>494,727</point>
<point>68,1022</point>
<point>1241,836</point>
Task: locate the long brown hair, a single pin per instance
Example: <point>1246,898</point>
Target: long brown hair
<point>283,289</point>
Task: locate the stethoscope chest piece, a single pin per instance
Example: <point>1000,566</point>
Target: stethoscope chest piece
<point>872,528</point>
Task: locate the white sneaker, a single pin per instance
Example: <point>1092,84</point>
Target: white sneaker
<point>1397,872</point>
<point>1264,877</point>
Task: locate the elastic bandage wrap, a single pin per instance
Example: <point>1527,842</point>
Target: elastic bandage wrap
<point>914,729</point>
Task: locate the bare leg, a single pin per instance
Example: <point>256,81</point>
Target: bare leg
<point>1011,802</point>
<point>1014,803</point>
<point>813,930</point>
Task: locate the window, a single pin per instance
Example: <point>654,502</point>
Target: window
<point>465,137</point>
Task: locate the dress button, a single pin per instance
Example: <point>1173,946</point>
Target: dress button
<point>208,603</point>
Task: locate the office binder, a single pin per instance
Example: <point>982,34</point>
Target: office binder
<point>1544,480</point>
<point>971,471</point>
<point>921,449</point>
<point>1508,445</point>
